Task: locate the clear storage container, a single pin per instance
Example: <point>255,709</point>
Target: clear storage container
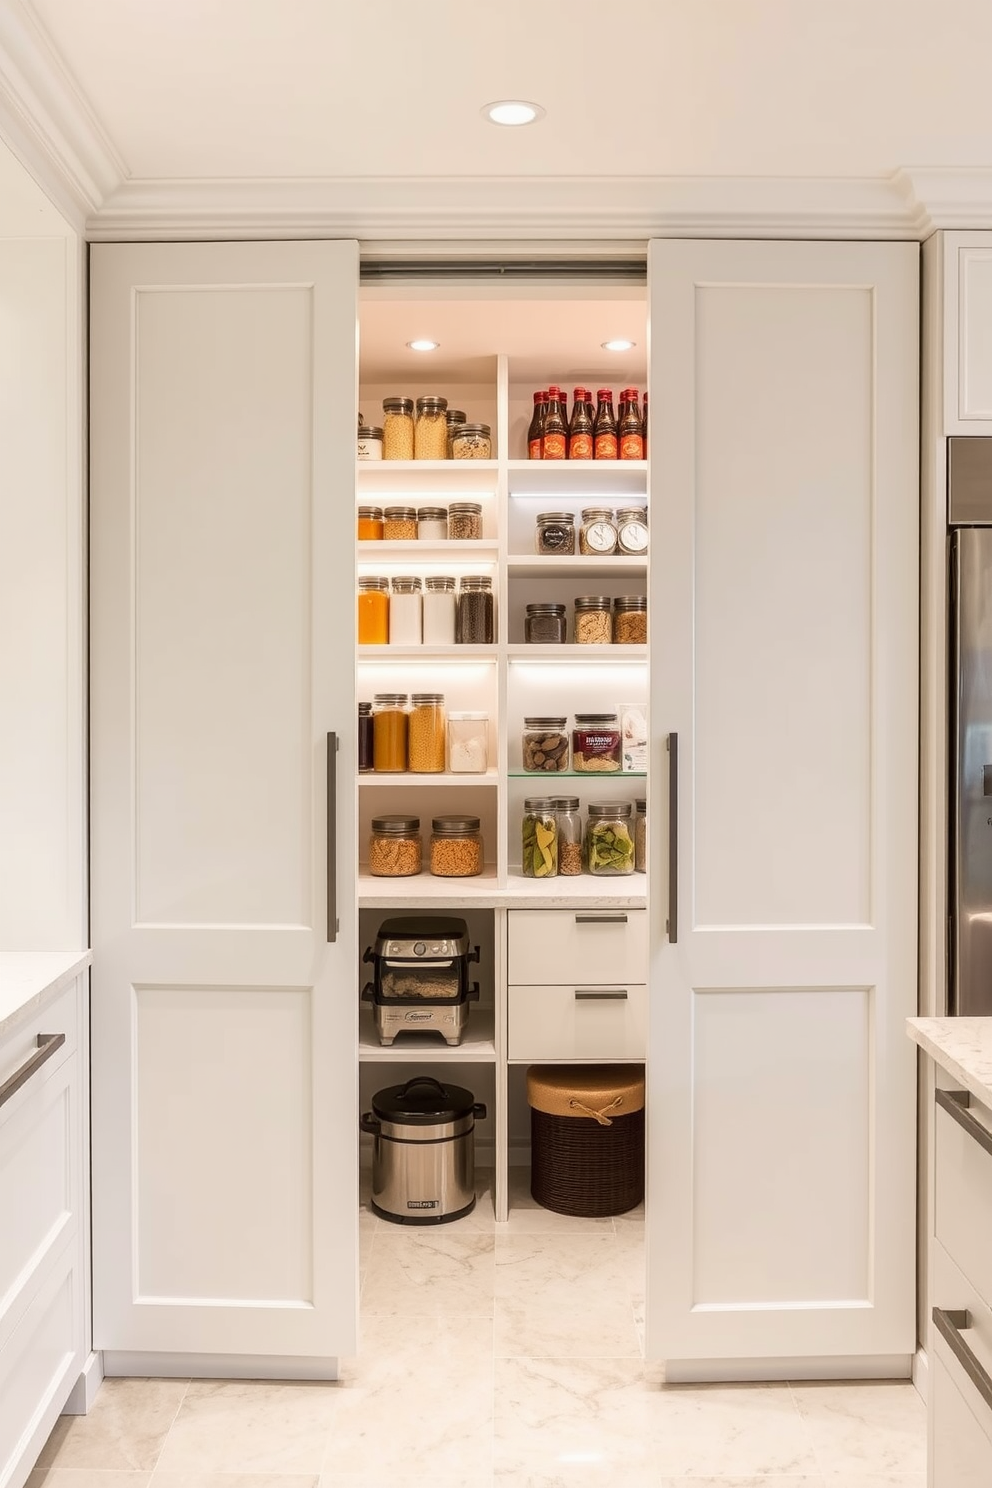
<point>632,530</point>
<point>400,524</point>
<point>468,743</point>
<point>406,612</point>
<point>427,733</point>
<point>373,611</point>
<point>566,809</point>
<point>370,442</point>
<point>472,442</point>
<point>539,839</point>
<point>555,533</point>
<point>544,624</point>
<point>598,533</point>
<point>456,847</point>
<point>475,620</point>
<point>544,745</point>
<point>453,417</point>
<point>630,620</point>
<point>432,523</point>
<point>465,521</point>
<point>397,428</point>
<point>609,842</point>
<point>370,526</point>
<point>593,620</point>
<point>640,835</point>
<point>390,722</point>
<point>430,434</point>
<point>395,847</point>
<point>366,735</point>
<point>596,743</point>
<point>439,610</point>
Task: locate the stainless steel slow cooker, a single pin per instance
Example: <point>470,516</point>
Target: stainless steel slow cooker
<point>423,1160</point>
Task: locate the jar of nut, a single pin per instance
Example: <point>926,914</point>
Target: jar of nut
<point>430,434</point>
<point>397,428</point>
<point>630,620</point>
<point>593,620</point>
<point>395,847</point>
<point>456,847</point>
<point>427,733</point>
<point>544,745</point>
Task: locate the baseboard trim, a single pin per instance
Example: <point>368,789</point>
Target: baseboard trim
<point>855,1367</point>
<point>117,1364</point>
<point>84,1391</point>
<point>921,1373</point>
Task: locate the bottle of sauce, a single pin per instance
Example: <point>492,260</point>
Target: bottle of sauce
<point>536,431</point>
<point>630,426</point>
<point>645,426</point>
<point>605,427</point>
<point>559,393</point>
<point>554,440</point>
<point>580,427</point>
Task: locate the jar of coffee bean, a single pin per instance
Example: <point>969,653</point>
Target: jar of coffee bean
<point>544,745</point>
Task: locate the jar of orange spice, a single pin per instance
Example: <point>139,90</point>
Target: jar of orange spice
<point>370,524</point>
<point>373,611</point>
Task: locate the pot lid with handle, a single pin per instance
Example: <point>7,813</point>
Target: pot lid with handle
<point>423,1101</point>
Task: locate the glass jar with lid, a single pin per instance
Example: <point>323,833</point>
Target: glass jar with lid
<point>630,620</point>
<point>465,521</point>
<point>596,744</point>
<point>370,524</point>
<point>566,809</point>
<point>453,417</point>
<point>366,756</point>
<point>593,620</point>
<point>395,847</point>
<point>539,839</point>
<point>373,610</point>
<point>439,610</point>
<point>430,434</point>
<point>427,731</point>
<point>390,721</point>
<point>397,428</point>
<point>640,835</point>
<point>370,442</point>
<point>632,530</point>
<point>598,533</point>
<point>432,524</point>
<point>556,533</point>
<point>544,745</point>
<point>609,842</point>
<point>400,523</point>
<point>475,619</point>
<point>406,611</point>
<point>472,442</point>
<point>544,624</point>
<point>456,847</point>
<point>468,743</point>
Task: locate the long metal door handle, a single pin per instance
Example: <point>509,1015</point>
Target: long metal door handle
<point>949,1326</point>
<point>601,919</point>
<point>582,996</point>
<point>47,1044</point>
<point>956,1103</point>
<point>332,833</point>
<point>672,923</point>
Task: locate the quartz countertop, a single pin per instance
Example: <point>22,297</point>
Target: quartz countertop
<point>962,1047</point>
<point>27,978</point>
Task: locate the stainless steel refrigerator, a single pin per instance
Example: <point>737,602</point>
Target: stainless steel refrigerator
<point>970,696</point>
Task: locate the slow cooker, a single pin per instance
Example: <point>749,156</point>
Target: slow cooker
<point>423,1160</point>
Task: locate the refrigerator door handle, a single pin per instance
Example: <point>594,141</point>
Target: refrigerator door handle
<point>987,780</point>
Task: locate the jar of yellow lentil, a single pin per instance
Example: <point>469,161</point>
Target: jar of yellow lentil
<point>456,847</point>
<point>397,428</point>
<point>427,729</point>
<point>395,847</point>
<point>430,435</point>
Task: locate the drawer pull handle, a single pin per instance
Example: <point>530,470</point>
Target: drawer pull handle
<point>47,1044</point>
<point>950,1326</point>
<point>956,1103</point>
<point>591,996</point>
<point>601,919</point>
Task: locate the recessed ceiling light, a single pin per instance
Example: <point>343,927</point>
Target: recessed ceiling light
<point>618,345</point>
<point>423,344</point>
<point>513,111</point>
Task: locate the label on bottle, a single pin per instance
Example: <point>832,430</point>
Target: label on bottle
<point>606,446</point>
<point>534,449</point>
<point>553,447</point>
<point>580,447</point>
<point>632,447</point>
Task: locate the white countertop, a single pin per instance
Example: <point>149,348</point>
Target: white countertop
<point>962,1047</point>
<point>28,977</point>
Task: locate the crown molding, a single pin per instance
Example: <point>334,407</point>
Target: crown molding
<point>953,198</point>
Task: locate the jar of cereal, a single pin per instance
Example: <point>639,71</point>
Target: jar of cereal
<point>456,847</point>
<point>397,428</point>
<point>430,435</point>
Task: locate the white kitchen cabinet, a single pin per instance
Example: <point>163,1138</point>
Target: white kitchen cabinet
<point>781,1097</point>
<point>223,391</point>
<point>967,347</point>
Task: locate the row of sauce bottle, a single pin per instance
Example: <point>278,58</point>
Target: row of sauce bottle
<point>588,433</point>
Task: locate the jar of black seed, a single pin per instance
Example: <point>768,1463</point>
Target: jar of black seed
<point>544,624</point>
<point>475,620</point>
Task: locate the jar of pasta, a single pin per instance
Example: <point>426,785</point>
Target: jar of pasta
<point>370,523</point>
<point>456,847</point>
<point>593,620</point>
<point>472,442</point>
<point>630,620</point>
<point>400,524</point>
<point>390,722</point>
<point>426,737</point>
<point>430,434</point>
<point>395,847</point>
<point>373,611</point>
<point>397,428</point>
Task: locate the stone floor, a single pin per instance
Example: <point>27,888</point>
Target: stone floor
<point>494,1356</point>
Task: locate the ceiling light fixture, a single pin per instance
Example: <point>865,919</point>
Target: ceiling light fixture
<point>423,344</point>
<point>618,345</point>
<point>513,111</point>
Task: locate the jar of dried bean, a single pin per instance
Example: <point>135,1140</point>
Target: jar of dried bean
<point>472,442</point>
<point>400,524</point>
<point>373,611</point>
<point>432,524</point>
<point>427,732</point>
<point>630,620</point>
<point>370,524</point>
<point>397,428</point>
<point>395,847</point>
<point>390,722</point>
<point>465,521</point>
<point>598,533</point>
<point>370,442</point>
<point>430,434</point>
<point>475,621</point>
<point>556,533</point>
<point>640,835</point>
<point>566,809</point>
<point>596,743</point>
<point>456,847</point>
<point>453,417</point>
<point>439,610</point>
<point>539,839</point>
<point>406,612</point>
<point>593,620</point>
<point>544,624</point>
<point>544,745</point>
<point>609,842</point>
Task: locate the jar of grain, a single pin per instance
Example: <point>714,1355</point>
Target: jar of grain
<point>596,743</point>
<point>598,533</point>
<point>475,620</point>
<point>373,611</point>
<point>370,441</point>
<point>630,620</point>
<point>566,810</point>
<point>370,524</point>
<point>439,610</point>
<point>453,418</point>
<point>456,847</point>
<point>432,524</point>
<point>472,442</point>
<point>465,521</point>
<point>632,530</point>
<point>395,847</point>
<point>468,743</point>
<point>544,624</point>
<point>406,612</point>
<point>389,732</point>
<point>593,620</point>
<point>544,745</point>
<point>609,843</point>
<point>539,839</point>
<point>556,533</point>
<point>400,524</point>
<point>397,428</point>
<point>430,434</point>
<point>640,835</point>
<point>426,737</point>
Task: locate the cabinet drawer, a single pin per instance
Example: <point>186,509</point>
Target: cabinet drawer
<point>583,946</point>
<point>39,1363</point>
<point>578,1022</point>
<point>963,1189</point>
<point>960,1422</point>
<point>60,1016</point>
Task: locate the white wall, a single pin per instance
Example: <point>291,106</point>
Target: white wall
<point>42,588</point>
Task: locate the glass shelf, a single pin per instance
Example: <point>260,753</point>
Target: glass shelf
<point>598,775</point>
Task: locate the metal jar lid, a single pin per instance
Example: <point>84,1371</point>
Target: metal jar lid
<point>397,405</point>
<point>427,699</point>
<point>465,509</point>
<point>370,431</point>
<point>632,514</point>
<point>432,513</point>
<point>439,584</point>
<point>555,519</point>
<point>401,513</point>
<point>369,581</point>
<point>455,415</point>
<point>609,808</point>
<point>597,514</point>
<point>640,804</point>
<point>454,826</point>
<point>390,699</point>
<point>472,429</point>
<point>364,709</point>
<point>544,723</point>
<point>406,584</point>
<point>565,803</point>
<point>395,826</point>
<point>539,803</point>
<point>592,602</point>
<point>477,582</point>
<point>431,405</point>
<point>630,602</point>
<point>556,610</point>
<point>371,513</point>
<point>587,720</point>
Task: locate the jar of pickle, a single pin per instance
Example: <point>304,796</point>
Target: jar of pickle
<point>598,533</point>
<point>397,428</point>
<point>439,610</point>
<point>453,417</point>
<point>430,434</point>
<point>395,847</point>
<point>465,521</point>
<point>370,524</point>
<point>456,847</point>
<point>390,723</point>
<point>373,611</point>
<point>475,620</point>
<point>566,810</point>
<point>432,524</point>
<point>609,843</point>
<point>539,839</point>
<point>544,746</point>
<point>630,620</point>
<point>556,533</point>
<point>400,524</point>
<point>640,835</point>
<point>593,620</point>
<point>370,441</point>
<point>426,734</point>
<point>406,611</point>
<point>472,442</point>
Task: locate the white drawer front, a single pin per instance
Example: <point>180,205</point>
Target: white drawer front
<point>39,1364</point>
<point>960,1424</point>
<point>582,946</point>
<point>963,1197</point>
<point>22,1043</point>
<point>584,1022</point>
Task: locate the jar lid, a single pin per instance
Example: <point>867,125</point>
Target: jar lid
<point>406,584</point>
<point>630,602</point>
<point>465,509</point>
<point>455,416</point>
<point>364,708</point>
<point>609,808</point>
<point>477,581</point>
<point>404,513</point>
<point>370,431</point>
<point>538,803</point>
<point>545,519</point>
<point>395,826</point>
<point>592,602</point>
<point>556,610</point>
<point>454,826</point>
<point>468,717</point>
<point>432,513</point>
<point>431,405</point>
<point>390,699</point>
<point>426,699</point>
<point>565,803</point>
<point>423,1101</point>
<point>368,581</point>
<point>397,405</point>
<point>640,803</point>
<point>597,513</point>
<point>473,429</point>
<point>373,513</point>
<point>585,719</point>
<point>632,514</point>
<point>544,723</point>
<point>439,584</point>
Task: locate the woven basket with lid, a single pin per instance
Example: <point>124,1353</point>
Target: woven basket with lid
<point>587,1137</point>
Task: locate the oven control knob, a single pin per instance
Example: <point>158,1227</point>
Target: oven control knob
<point>419,948</point>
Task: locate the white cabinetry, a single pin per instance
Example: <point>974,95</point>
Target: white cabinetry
<point>967,314</point>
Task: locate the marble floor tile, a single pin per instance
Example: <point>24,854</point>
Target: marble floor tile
<point>868,1427</point>
<point>876,1480</point>
<point>194,1479</point>
<point>250,1427</point>
<point>86,1477</point>
<point>591,1475</point>
<point>730,1431</point>
<point>560,1271</point>
<point>430,1273</point>
<point>606,1329</point>
<point>124,1431</point>
<point>571,1412</point>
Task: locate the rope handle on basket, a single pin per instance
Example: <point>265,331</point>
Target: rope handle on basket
<point>599,1116</point>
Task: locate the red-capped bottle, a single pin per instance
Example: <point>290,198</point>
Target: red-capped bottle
<point>604,435</point>
<point>580,426</point>
<point>535,433</point>
<point>630,426</point>
<point>645,426</point>
<point>554,440</point>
